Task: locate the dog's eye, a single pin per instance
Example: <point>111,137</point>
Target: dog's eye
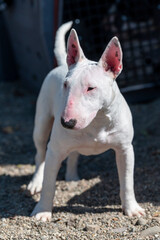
<point>90,89</point>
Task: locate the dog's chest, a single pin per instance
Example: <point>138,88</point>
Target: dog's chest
<point>96,138</point>
<point>91,146</point>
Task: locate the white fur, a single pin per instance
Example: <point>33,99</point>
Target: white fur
<point>103,121</point>
<point>59,48</point>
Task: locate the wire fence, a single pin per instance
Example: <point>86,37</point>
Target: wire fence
<point>134,22</point>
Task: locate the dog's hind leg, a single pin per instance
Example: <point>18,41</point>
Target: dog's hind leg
<point>72,171</point>
<point>43,125</point>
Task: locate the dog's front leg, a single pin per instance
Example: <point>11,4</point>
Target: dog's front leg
<point>125,164</point>
<point>43,209</point>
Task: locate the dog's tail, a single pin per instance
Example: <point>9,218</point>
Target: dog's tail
<point>59,46</point>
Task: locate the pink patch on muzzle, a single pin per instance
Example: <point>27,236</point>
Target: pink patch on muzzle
<point>69,111</point>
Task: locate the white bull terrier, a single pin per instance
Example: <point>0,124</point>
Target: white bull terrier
<point>80,106</point>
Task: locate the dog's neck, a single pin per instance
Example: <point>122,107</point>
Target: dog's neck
<point>114,100</point>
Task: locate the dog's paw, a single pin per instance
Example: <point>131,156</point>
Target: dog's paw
<point>133,210</point>
<point>41,214</point>
<point>34,187</point>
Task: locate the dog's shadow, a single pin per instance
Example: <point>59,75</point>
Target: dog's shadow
<point>99,198</point>
<point>14,201</point>
<point>104,195</point>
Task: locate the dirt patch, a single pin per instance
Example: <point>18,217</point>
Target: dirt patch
<point>90,208</point>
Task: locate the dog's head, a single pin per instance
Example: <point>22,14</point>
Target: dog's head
<point>88,85</point>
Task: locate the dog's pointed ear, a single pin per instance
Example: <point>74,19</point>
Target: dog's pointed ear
<point>111,60</point>
<point>74,50</point>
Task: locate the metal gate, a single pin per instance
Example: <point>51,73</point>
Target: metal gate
<point>136,24</point>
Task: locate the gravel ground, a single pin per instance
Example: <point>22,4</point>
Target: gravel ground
<point>85,210</point>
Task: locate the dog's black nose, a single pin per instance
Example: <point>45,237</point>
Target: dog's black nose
<point>70,124</point>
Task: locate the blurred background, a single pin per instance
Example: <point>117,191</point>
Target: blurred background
<point>28,27</point>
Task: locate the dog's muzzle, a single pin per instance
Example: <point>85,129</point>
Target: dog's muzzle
<point>70,124</point>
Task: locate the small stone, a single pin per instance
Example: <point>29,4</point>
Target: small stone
<point>43,238</point>
<point>61,228</point>
<point>119,230</point>
<point>54,238</point>
<point>156,235</point>
<point>141,221</point>
<point>132,229</point>
<point>156,214</point>
<point>90,227</point>
<point>150,231</point>
<point>157,219</point>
